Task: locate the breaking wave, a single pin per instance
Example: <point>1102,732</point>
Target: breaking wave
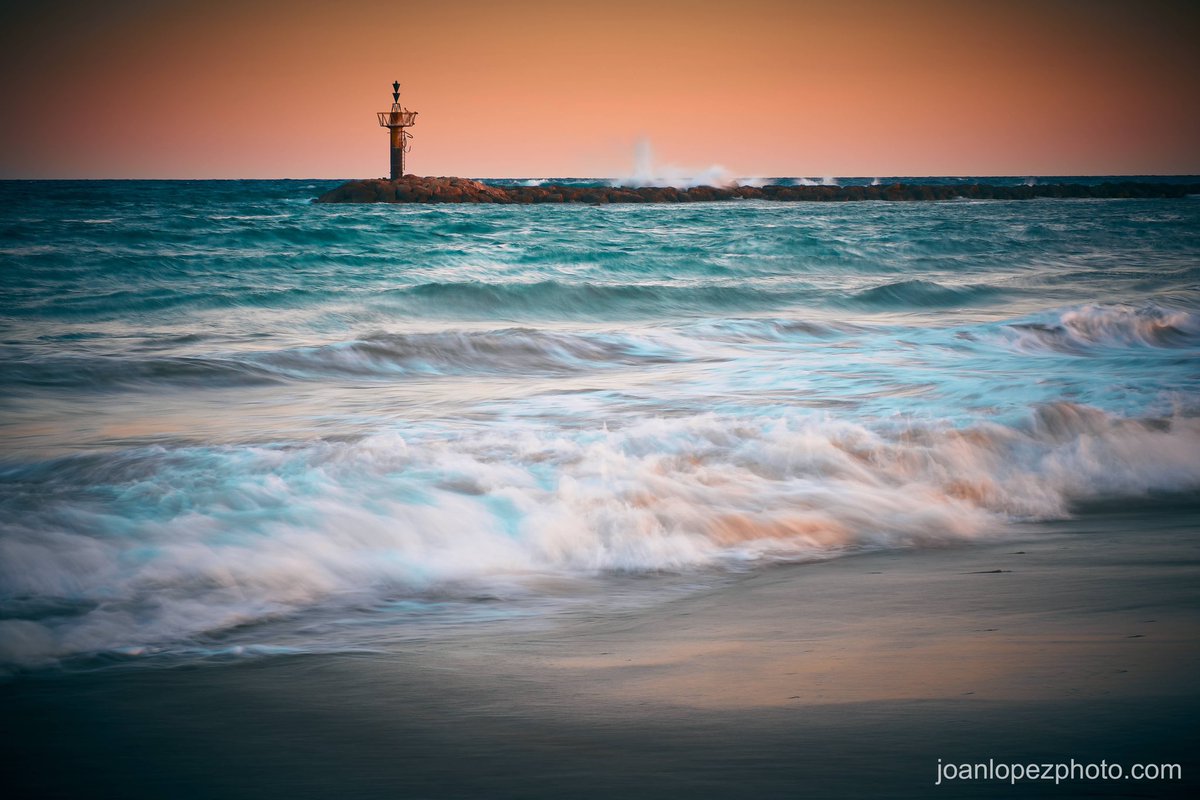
<point>1094,327</point>
<point>150,547</point>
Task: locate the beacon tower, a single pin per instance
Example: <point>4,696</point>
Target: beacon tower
<point>396,121</point>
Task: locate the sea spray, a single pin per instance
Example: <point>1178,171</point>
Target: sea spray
<point>648,173</point>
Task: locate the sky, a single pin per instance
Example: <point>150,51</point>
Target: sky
<point>519,88</point>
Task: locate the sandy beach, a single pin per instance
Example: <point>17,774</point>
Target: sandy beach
<point>850,677</point>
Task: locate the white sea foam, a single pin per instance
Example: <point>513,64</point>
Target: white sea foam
<point>1110,326</point>
<point>166,545</point>
<point>826,181</point>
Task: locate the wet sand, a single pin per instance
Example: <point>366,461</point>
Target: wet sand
<point>847,678</point>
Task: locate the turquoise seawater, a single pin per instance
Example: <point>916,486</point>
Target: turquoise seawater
<point>232,420</point>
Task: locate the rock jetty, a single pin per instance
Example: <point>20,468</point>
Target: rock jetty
<point>414,189</point>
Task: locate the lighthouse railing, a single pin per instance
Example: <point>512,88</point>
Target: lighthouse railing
<point>391,119</point>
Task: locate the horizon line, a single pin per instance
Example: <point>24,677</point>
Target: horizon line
<point>613,177</point>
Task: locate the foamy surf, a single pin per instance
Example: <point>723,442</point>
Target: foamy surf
<point>236,424</point>
<point>1109,327</point>
<point>154,546</point>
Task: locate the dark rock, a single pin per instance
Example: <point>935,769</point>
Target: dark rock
<point>415,189</point>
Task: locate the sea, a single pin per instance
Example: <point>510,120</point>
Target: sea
<point>235,423</point>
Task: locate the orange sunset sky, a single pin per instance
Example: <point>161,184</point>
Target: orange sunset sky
<point>217,89</point>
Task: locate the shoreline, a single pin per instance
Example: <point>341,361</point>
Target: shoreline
<point>849,677</point>
<point>415,189</point>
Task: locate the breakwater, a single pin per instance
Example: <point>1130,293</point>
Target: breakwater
<point>414,189</point>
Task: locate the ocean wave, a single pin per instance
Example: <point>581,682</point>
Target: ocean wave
<point>751,330</point>
<point>153,547</point>
<point>925,294</point>
<point>552,297</point>
<point>519,351</point>
<point>512,351</point>
<point>116,304</point>
<point>115,372</point>
<point>1121,326</point>
<point>385,356</point>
